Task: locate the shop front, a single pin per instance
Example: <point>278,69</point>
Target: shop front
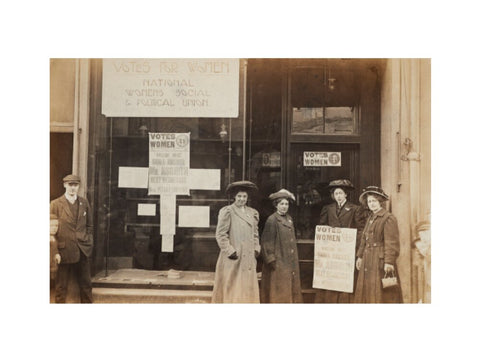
<point>295,124</point>
<point>280,123</point>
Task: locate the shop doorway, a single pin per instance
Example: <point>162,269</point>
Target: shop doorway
<point>330,130</point>
<point>61,155</point>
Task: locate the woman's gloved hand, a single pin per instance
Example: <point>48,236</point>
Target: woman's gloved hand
<point>358,264</point>
<point>389,268</point>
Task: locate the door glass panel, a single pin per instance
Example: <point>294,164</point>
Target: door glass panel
<point>328,120</point>
<point>340,120</point>
<point>308,120</point>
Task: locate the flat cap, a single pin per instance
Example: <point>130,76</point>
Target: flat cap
<point>71,178</point>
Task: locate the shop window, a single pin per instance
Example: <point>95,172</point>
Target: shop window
<point>215,144</point>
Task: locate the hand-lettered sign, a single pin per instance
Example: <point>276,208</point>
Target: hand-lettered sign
<point>170,88</point>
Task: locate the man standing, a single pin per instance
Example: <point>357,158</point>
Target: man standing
<point>75,240</point>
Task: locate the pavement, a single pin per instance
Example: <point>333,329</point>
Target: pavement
<point>146,286</point>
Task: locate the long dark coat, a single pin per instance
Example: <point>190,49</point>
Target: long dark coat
<point>379,245</point>
<point>279,245</point>
<point>74,235</point>
<point>350,216</point>
<point>236,280</point>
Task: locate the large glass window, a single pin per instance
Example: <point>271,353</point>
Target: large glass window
<point>215,144</point>
<point>128,218</point>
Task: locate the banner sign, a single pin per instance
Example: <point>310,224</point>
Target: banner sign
<point>322,159</point>
<point>169,163</point>
<point>334,260</point>
<point>170,88</point>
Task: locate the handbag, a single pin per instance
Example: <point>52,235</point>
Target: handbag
<point>389,281</point>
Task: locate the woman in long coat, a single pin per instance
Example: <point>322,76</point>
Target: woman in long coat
<point>236,278</point>
<point>280,273</point>
<point>378,251</point>
<point>342,214</point>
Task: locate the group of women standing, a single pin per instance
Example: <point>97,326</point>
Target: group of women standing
<point>240,245</point>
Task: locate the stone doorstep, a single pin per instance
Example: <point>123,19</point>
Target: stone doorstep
<point>146,286</point>
<point>138,278</point>
<point>126,295</point>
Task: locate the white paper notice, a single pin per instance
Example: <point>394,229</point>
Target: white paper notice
<point>334,259</point>
<point>204,179</point>
<point>146,209</point>
<point>167,214</point>
<point>132,177</point>
<point>194,216</point>
<point>167,242</point>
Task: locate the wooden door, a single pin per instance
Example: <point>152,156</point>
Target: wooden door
<point>309,182</point>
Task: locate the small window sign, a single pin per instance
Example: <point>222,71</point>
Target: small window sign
<point>271,160</point>
<point>322,159</point>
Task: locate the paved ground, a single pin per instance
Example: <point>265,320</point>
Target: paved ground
<point>144,286</point>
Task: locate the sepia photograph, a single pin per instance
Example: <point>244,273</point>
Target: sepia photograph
<point>240,180</point>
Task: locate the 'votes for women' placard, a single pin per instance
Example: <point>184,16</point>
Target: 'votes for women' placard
<point>169,163</point>
<point>334,261</point>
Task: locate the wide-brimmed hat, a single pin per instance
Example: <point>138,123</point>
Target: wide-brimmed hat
<point>372,190</point>
<point>71,178</point>
<point>340,183</point>
<point>282,193</point>
<point>241,185</point>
